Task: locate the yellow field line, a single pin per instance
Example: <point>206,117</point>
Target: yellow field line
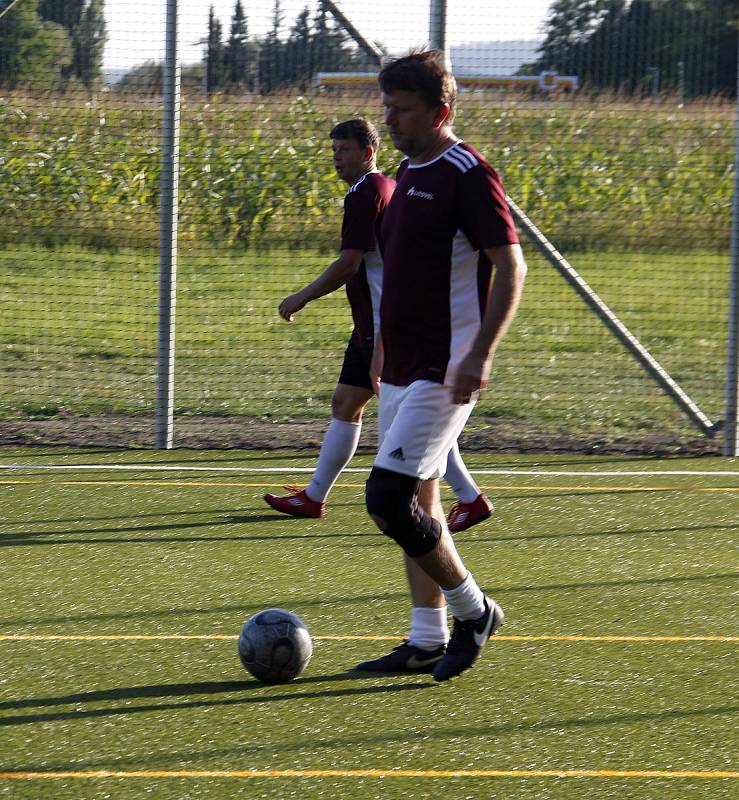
<point>30,637</point>
<point>373,773</point>
<point>263,485</point>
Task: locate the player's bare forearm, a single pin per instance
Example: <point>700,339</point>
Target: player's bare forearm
<point>331,279</point>
<point>378,357</point>
<point>505,296</point>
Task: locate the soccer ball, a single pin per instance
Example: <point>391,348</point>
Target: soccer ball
<point>275,645</point>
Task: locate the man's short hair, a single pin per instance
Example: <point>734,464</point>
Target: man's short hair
<point>361,130</point>
<point>425,73</point>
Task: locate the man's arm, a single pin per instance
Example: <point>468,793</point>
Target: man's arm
<point>333,277</point>
<point>505,295</point>
<point>378,358</point>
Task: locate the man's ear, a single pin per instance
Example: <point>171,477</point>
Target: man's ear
<point>441,115</point>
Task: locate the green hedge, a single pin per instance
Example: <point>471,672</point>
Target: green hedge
<point>257,172</point>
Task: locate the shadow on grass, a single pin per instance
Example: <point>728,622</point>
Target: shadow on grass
<point>593,494</point>
<point>275,538</point>
<point>268,694</point>
<point>528,461</point>
<point>311,743</point>
<point>241,608</point>
<point>311,454</point>
<point>612,584</point>
<point>80,534</point>
<point>46,452</point>
<point>155,514</point>
<point>182,457</point>
<point>688,529</point>
<point>235,516</point>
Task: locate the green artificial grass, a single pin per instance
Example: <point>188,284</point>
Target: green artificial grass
<point>79,337</point>
<point>100,552</point>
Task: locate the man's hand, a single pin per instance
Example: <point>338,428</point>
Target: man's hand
<point>471,378</point>
<point>378,357</point>
<point>505,294</point>
<point>291,305</point>
<point>334,276</point>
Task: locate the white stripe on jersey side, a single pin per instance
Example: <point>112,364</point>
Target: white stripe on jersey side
<point>371,172</point>
<point>373,269</point>
<point>461,159</point>
<point>464,302</point>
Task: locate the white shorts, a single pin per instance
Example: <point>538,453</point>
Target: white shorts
<point>418,425</point>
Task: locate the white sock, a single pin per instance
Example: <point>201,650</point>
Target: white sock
<point>429,628</point>
<point>466,601</point>
<point>339,445</point>
<point>458,477</point>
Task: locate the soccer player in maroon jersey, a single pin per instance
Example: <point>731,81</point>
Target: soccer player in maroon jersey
<point>453,276</point>
<point>359,266</point>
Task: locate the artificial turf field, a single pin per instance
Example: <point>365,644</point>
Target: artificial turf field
<point>122,593</point>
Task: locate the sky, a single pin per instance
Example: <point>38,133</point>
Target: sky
<point>136,29</point>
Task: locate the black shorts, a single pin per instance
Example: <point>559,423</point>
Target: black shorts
<point>356,367</point>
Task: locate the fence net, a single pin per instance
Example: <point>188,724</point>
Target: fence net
<point>612,125</point>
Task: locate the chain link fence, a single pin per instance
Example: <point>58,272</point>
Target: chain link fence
<point>614,132</point>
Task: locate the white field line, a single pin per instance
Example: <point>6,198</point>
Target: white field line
<point>181,468</point>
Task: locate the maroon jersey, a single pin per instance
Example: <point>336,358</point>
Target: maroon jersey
<point>364,208</point>
<point>436,278</point>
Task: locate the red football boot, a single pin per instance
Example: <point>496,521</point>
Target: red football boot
<point>297,504</point>
<point>465,515</point>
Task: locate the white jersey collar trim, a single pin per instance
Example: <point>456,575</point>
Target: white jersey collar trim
<point>361,178</point>
<point>434,160</point>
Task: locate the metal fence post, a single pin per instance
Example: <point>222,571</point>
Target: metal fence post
<point>731,422</point>
<point>437,29</point>
<point>653,368</point>
<point>168,233</point>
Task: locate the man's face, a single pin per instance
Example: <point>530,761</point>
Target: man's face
<point>349,159</point>
<point>411,123</point>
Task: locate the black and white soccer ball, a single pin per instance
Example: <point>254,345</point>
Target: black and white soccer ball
<point>275,645</point>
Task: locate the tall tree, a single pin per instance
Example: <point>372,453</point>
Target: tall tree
<point>638,45</point>
<point>312,46</point>
<point>65,12</point>
<point>31,51</point>
<point>84,21</point>
<point>331,52</point>
<point>214,66</point>
<point>238,53</point>
<point>89,43</point>
<point>723,39</point>
<point>569,25</point>
<point>272,55</point>
<point>299,51</point>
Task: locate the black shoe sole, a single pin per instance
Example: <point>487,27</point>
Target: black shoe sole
<point>425,670</point>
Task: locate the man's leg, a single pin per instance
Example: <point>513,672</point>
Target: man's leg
<point>408,509</point>
<point>442,567</point>
<point>434,569</point>
<point>472,506</point>
<point>339,445</point>
<point>341,439</point>
<point>458,476</point>
<point>429,628</point>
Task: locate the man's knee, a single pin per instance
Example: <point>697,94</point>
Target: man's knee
<point>392,502</point>
<point>348,402</point>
